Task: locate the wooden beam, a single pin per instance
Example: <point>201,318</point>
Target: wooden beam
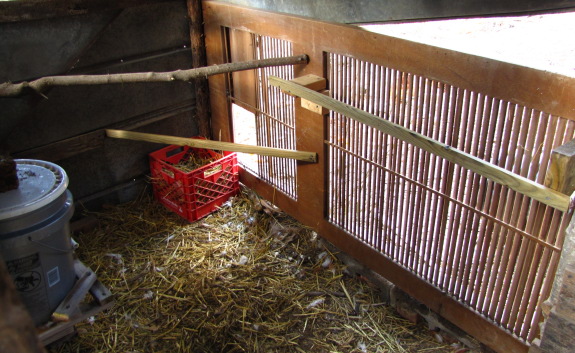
<point>316,83</point>
<point>9,89</point>
<point>313,82</point>
<point>13,11</point>
<point>502,176</point>
<point>92,140</point>
<point>198,47</point>
<point>536,89</point>
<point>378,11</point>
<point>215,145</point>
<point>561,173</point>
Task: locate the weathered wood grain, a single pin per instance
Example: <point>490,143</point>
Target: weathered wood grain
<point>561,173</point>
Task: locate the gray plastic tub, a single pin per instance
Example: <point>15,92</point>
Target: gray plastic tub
<point>35,237</point>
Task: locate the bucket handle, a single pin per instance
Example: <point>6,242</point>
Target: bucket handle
<point>50,247</point>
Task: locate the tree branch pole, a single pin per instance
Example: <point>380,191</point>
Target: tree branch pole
<point>9,89</point>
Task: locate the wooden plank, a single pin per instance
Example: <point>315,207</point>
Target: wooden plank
<point>310,81</point>
<point>316,83</point>
<point>63,328</point>
<point>502,176</point>
<point>69,304</point>
<point>310,134</point>
<point>314,107</point>
<point>79,309</point>
<point>216,145</point>
<point>101,293</point>
<point>198,47</point>
<point>13,11</point>
<point>541,90</point>
<point>561,173</point>
<point>243,82</point>
<point>95,139</point>
<point>216,40</point>
<point>377,11</point>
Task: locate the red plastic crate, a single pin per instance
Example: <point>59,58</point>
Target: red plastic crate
<point>198,193</point>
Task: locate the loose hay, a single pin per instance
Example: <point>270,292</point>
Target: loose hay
<point>239,280</point>
<point>192,161</point>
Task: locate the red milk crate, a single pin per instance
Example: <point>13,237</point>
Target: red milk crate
<point>200,192</point>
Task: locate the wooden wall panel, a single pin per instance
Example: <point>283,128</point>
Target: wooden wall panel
<point>243,82</point>
<point>66,127</point>
<point>535,89</point>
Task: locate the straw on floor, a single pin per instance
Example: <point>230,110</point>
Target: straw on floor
<point>245,279</point>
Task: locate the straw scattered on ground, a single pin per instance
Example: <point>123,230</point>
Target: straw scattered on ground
<point>239,280</point>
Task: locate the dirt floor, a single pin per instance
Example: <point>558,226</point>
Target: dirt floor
<point>245,279</point>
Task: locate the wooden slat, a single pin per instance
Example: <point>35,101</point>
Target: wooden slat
<point>523,185</point>
<point>12,11</point>
<point>95,139</point>
<point>216,145</point>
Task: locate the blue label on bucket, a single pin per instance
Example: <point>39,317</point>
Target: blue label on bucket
<point>53,276</point>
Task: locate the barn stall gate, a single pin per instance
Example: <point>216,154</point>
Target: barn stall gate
<point>481,254</point>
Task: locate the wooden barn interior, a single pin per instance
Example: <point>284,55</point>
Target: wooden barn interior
<point>349,191</point>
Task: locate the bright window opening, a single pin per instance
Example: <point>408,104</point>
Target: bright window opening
<point>244,123</point>
<point>543,42</point>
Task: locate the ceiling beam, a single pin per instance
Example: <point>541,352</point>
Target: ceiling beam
<point>15,11</point>
<point>372,11</point>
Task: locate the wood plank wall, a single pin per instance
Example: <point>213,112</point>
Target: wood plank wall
<point>67,126</point>
<point>541,91</point>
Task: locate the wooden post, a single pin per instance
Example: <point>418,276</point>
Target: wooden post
<point>17,331</point>
<point>561,177</point>
<point>199,60</point>
<point>561,173</point>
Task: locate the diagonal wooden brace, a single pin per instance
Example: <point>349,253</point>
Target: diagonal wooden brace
<point>71,302</point>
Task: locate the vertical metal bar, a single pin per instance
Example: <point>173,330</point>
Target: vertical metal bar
<point>533,222</point>
<point>439,132</point>
<point>380,157</point>
<point>486,226</point>
<point>430,181</point>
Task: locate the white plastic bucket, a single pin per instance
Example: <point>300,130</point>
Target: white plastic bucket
<point>35,237</point>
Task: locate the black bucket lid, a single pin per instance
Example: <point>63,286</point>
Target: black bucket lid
<point>40,183</point>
